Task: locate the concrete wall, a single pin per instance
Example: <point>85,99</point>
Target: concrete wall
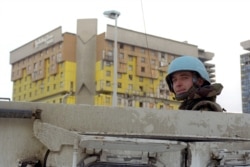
<point>86,59</point>
<point>17,141</point>
<point>63,128</point>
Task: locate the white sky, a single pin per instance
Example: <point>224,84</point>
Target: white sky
<point>216,26</point>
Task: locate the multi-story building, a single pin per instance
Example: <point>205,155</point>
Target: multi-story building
<point>245,77</point>
<point>78,68</point>
<point>43,70</point>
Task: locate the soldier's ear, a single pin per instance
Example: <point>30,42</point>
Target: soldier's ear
<point>200,81</point>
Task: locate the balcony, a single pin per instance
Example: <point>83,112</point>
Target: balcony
<point>163,86</point>
<point>108,57</point>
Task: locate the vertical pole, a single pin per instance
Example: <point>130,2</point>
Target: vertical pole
<point>75,153</point>
<point>114,101</point>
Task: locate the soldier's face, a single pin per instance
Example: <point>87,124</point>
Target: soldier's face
<point>182,81</point>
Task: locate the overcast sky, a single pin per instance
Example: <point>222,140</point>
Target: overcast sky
<point>216,26</point>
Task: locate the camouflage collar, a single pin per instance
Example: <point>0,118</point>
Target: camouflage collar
<point>206,91</point>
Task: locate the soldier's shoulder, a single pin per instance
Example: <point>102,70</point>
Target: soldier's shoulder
<point>206,105</point>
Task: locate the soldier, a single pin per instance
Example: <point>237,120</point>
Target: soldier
<point>188,79</point>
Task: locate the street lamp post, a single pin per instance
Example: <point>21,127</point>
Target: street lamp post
<point>112,14</point>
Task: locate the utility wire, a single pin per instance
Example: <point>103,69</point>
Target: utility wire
<point>146,36</point>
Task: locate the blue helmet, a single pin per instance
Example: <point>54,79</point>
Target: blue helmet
<point>186,63</point>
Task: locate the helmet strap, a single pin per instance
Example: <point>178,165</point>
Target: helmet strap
<point>196,79</point>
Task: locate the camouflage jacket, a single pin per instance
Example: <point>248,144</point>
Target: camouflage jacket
<point>203,99</point>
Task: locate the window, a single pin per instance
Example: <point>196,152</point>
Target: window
<point>140,79</point>
<point>42,88</point>
<point>153,53</point>
<point>140,104</point>
<point>151,105</point>
<point>108,83</point>
<point>71,86</point>
<point>130,103</point>
<point>107,63</point>
<point>142,50</point>
<point>130,68</point>
<point>119,85</point>
<point>107,100</point>
<point>121,56</point>
<point>141,88</point>
<point>35,66</point>
<point>110,54</point>
<point>61,74</point>
<point>162,92</point>
<point>132,48</point>
<point>110,44</point>
<point>119,101</point>
<point>143,60</point>
<point>130,77</point>
<point>142,69</point>
<point>59,57</point>
<point>53,58</point>
<point>52,67</point>
<point>61,84</point>
<point>108,73</point>
<point>151,90</point>
<point>130,86</point>
<point>29,68</point>
<point>121,46</point>
<point>162,55</point>
<point>130,58</point>
<point>153,62</point>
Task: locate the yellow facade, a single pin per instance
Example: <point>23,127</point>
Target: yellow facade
<point>57,88</point>
<point>133,89</point>
<point>43,71</point>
